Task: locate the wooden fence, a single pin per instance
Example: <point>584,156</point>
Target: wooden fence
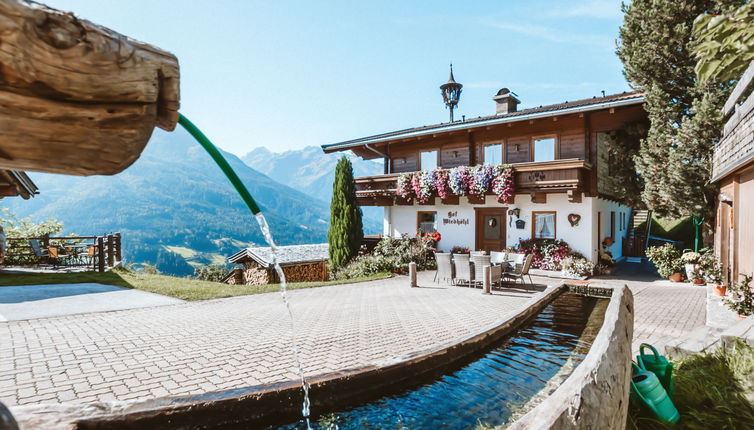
<point>99,252</point>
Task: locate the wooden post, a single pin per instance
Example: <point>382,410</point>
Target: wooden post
<point>100,254</point>
<point>412,274</point>
<point>487,282</point>
<point>110,251</point>
<point>118,255</point>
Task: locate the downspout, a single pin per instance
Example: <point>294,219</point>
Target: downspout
<point>387,228</point>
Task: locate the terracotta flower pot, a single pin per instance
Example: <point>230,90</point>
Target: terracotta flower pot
<point>742,317</point>
<point>719,290</point>
<point>676,277</point>
<point>698,282</point>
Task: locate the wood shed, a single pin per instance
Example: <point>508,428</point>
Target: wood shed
<point>300,263</point>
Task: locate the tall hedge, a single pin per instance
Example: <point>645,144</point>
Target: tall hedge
<point>346,232</point>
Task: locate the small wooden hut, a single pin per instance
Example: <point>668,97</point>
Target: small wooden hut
<point>300,263</point>
<point>77,98</point>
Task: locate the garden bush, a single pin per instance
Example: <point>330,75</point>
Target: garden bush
<point>666,258</point>
<point>577,266</point>
<point>390,255</point>
<point>211,272</point>
<point>548,253</point>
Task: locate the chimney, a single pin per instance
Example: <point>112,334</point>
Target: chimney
<point>505,101</point>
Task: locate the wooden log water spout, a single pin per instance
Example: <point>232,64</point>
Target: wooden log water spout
<point>75,97</point>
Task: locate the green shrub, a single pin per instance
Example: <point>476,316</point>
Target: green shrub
<point>390,255</point>
<point>666,258</point>
<point>742,301</point>
<point>211,272</point>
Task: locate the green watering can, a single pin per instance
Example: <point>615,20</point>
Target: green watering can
<point>646,387</point>
<point>658,365</point>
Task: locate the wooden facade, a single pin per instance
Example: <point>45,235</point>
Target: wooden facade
<point>574,169</point>
<point>733,170</point>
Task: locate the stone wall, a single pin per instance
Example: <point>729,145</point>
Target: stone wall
<point>595,396</point>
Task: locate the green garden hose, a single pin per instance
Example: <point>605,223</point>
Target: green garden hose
<point>221,162</point>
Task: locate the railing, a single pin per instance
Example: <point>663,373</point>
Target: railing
<point>98,252</point>
<point>559,175</point>
<point>736,147</point>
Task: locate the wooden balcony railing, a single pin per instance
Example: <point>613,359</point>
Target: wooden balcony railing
<point>537,178</point>
<point>97,252</point>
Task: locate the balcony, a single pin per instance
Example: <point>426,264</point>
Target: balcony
<point>537,179</point>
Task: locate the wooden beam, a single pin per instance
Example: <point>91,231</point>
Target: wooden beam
<point>404,202</point>
<point>429,202</point>
<point>537,197</point>
<point>77,98</point>
<point>574,196</point>
<point>451,200</point>
<point>475,200</point>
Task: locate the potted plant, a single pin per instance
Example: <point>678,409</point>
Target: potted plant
<point>606,263</point>
<point>712,272</point>
<point>690,262</point>
<point>742,297</point>
<point>667,260</point>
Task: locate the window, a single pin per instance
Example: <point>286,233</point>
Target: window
<point>493,154</point>
<point>543,225</point>
<point>429,160</point>
<point>612,225</point>
<point>426,222</point>
<point>544,148</point>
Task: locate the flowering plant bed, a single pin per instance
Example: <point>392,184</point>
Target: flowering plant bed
<point>459,181</point>
<point>548,253</point>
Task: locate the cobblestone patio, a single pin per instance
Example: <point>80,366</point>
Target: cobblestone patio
<point>214,345</point>
<point>198,347</point>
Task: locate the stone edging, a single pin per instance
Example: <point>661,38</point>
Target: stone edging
<point>596,394</point>
<point>257,405</point>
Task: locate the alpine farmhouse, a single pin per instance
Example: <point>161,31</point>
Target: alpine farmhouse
<point>564,188</point>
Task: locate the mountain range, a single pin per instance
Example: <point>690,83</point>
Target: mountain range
<point>177,210</point>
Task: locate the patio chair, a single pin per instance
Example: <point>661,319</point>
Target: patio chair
<point>56,255</point>
<point>497,257</point>
<point>464,274</point>
<point>519,272</point>
<point>480,261</point>
<point>42,255</point>
<point>444,268</point>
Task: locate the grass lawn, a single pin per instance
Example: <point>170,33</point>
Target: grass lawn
<point>181,288</point>
<point>712,391</point>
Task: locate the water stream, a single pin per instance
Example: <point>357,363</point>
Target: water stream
<point>284,293</point>
<point>254,208</point>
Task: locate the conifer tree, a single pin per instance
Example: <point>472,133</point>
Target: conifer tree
<point>345,233</point>
<point>674,161</point>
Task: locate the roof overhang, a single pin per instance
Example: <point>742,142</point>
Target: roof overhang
<point>14,183</point>
<point>472,124</point>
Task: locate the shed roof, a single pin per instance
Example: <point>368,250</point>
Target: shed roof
<point>594,103</point>
<point>287,255</point>
<point>16,183</point>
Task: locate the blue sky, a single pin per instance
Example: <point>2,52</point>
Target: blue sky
<point>287,74</point>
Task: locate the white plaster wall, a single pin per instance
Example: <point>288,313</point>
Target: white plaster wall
<point>402,220</point>
<point>604,207</point>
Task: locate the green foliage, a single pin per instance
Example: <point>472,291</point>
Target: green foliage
<point>15,226</point>
<point>391,255</point>
<point>666,258</point>
<point>211,272</point>
<point>726,43</point>
<point>712,269</point>
<point>674,160</point>
<point>172,263</point>
<point>712,391</point>
<point>149,269</point>
<point>623,147</point>
<point>346,232</point>
<point>742,300</point>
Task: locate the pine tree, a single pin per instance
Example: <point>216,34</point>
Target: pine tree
<point>674,161</point>
<point>345,233</point>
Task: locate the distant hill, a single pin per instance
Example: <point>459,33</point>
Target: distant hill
<point>174,206</point>
<point>312,171</point>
